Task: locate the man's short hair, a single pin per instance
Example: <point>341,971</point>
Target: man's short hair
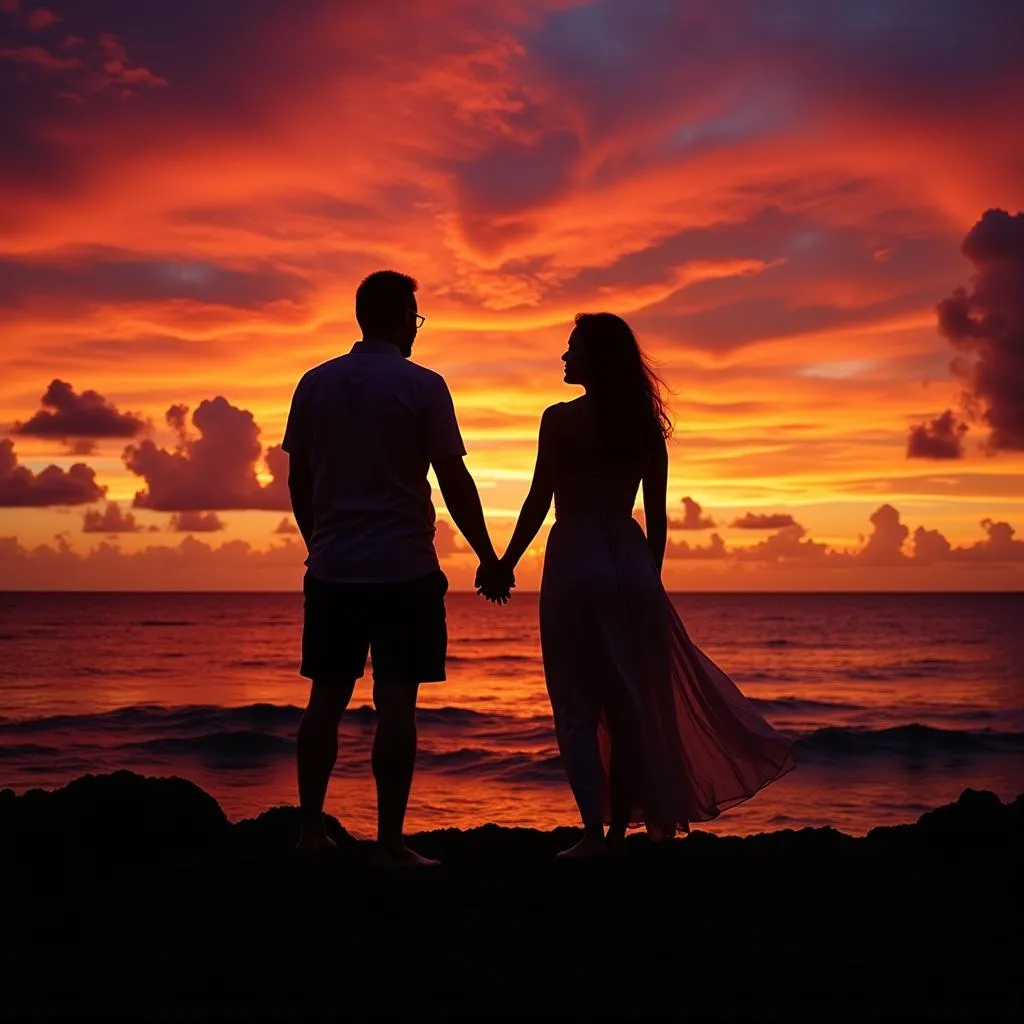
<point>383,299</point>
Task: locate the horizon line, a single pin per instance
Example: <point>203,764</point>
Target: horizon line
<point>472,593</point>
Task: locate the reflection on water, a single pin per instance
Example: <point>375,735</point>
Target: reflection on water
<point>899,702</point>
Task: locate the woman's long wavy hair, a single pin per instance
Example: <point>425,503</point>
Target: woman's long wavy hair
<point>627,394</point>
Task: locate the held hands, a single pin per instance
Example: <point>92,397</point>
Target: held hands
<point>495,580</point>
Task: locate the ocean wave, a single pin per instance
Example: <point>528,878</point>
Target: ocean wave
<point>489,660</point>
<point>507,638</point>
<point>802,704</point>
<point>280,663</point>
<point>155,717</point>
<point>453,739</point>
<point>243,745</point>
<point>912,740</point>
<point>190,718</point>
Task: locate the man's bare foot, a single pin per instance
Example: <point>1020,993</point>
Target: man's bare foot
<point>400,856</point>
<point>588,846</point>
<point>315,842</point>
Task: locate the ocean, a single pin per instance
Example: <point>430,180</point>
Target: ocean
<point>897,702</point>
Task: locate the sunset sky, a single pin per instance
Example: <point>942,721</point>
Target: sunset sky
<point>783,198</point>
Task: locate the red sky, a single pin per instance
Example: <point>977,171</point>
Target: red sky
<point>783,199</point>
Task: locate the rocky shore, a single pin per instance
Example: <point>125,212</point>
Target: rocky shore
<point>135,897</point>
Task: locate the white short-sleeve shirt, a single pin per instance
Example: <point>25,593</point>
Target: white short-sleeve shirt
<point>369,424</point>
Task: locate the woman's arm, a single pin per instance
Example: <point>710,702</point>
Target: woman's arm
<point>655,486</point>
<point>538,501</point>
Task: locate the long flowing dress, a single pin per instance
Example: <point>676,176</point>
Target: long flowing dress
<point>613,642</point>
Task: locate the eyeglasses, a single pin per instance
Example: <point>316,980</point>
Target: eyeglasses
<point>420,321</point>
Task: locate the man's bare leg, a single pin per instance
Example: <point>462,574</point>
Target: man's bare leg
<point>394,757</point>
<point>317,753</point>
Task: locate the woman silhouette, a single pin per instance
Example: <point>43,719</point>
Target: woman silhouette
<point>650,730</point>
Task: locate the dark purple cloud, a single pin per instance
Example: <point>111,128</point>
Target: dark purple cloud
<point>627,62</point>
<point>88,416</point>
<point>693,517</point>
<point>515,176</point>
<point>21,488</point>
<point>986,323</point>
<point>38,18</point>
<point>190,565</point>
<point>85,276</point>
<point>196,522</point>
<point>213,470</point>
<point>61,67</point>
<point>999,546</point>
<point>57,126</point>
<point>931,546</point>
<point>110,520</point>
<point>940,438</point>
<point>764,521</point>
<point>791,543</point>
<point>884,545</point>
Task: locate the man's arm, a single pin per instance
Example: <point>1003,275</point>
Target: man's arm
<point>463,503</point>
<point>300,487</point>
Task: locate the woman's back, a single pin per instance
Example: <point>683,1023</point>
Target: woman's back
<point>589,481</point>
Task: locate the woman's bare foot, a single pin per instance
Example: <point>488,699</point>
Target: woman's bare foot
<point>588,846</point>
<point>399,855</point>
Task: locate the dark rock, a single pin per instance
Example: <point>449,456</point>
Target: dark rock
<point>122,816</point>
<point>277,830</point>
<point>978,818</point>
<point>228,922</point>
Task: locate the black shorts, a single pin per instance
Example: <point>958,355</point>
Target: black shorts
<point>401,625</point>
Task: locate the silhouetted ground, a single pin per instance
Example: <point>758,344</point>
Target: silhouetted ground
<point>136,897</point>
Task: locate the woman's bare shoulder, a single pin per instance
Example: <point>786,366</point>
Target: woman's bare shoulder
<point>567,410</point>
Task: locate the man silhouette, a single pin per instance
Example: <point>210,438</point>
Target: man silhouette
<point>362,432</point>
